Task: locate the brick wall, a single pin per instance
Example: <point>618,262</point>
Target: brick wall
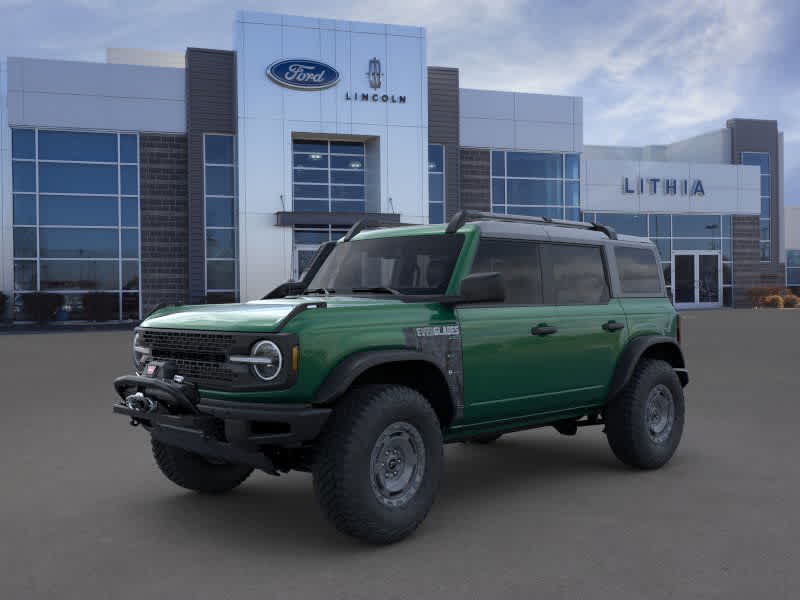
<point>475,179</point>
<point>443,128</point>
<point>748,270</point>
<point>164,219</point>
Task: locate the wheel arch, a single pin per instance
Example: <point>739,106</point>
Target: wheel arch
<point>411,368</point>
<point>653,347</point>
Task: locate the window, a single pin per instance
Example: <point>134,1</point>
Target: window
<point>76,218</point>
<point>761,160</point>
<point>307,240</point>
<point>576,274</point>
<point>793,268</point>
<point>536,183</point>
<point>435,183</point>
<point>328,176</point>
<point>638,271</point>
<point>219,158</point>
<point>678,232</point>
<point>418,264</point>
<point>518,263</point>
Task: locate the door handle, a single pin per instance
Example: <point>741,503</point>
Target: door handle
<point>543,329</point>
<point>613,326</point>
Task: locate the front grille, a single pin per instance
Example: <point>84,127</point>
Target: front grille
<point>199,357</point>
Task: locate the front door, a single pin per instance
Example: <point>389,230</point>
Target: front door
<point>697,279</point>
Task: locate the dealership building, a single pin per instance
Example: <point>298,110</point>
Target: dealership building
<point>213,175</point>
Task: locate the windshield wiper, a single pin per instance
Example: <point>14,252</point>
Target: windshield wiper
<point>321,290</point>
<point>380,289</point>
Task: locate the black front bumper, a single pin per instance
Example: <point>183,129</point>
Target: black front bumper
<point>236,432</point>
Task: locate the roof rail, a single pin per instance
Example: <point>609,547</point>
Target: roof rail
<point>465,216</point>
<point>369,223</point>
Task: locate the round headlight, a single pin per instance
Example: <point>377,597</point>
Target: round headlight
<point>267,360</point>
<point>140,353</point>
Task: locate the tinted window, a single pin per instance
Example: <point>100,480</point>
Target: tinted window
<point>73,145</point>
<point>22,143</point>
<point>577,274</point>
<point>518,263</point>
<point>529,164</point>
<point>219,149</point>
<point>77,210</point>
<point>638,271</point>
<point>66,178</point>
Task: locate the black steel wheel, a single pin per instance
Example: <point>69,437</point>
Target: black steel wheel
<point>378,463</point>
<point>644,423</point>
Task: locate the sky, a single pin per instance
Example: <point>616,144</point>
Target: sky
<point>649,72</point>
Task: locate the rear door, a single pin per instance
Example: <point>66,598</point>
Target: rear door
<point>591,324</point>
<point>508,370</point>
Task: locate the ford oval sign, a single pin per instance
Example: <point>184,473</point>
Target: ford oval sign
<point>303,74</point>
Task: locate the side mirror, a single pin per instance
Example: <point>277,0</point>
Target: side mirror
<point>482,287</point>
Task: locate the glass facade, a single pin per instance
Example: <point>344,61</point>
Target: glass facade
<point>219,159</point>
<point>328,176</point>
<point>536,184</point>
<point>761,160</point>
<point>435,183</point>
<point>793,268</point>
<point>675,232</point>
<point>306,242</point>
<point>76,219</point>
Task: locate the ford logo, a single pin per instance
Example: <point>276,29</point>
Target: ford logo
<point>302,74</point>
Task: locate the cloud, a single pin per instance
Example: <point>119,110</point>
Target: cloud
<point>649,72</point>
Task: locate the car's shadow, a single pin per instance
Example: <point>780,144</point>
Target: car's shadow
<point>267,514</point>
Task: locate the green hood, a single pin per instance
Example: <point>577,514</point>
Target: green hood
<point>255,316</point>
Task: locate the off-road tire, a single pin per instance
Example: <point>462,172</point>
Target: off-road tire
<point>489,438</point>
<point>194,472</point>
<point>344,476</point>
<point>627,425</point>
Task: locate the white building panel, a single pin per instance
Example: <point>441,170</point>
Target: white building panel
<point>486,133</point>
<point>520,121</point>
<point>270,115</point>
<point>725,191</point>
<point>485,104</point>
<point>545,136</point>
<point>55,93</point>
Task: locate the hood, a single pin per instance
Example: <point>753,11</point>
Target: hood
<point>255,316</point>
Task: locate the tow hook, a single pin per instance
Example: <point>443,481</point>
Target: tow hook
<point>141,403</point>
<point>134,422</point>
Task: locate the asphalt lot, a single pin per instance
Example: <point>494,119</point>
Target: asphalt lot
<point>84,513</point>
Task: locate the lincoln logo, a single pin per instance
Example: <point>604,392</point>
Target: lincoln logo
<point>374,74</point>
<point>301,74</point>
<point>667,186</point>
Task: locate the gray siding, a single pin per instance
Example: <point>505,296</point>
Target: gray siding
<point>443,129</point>
<point>164,220</point>
<point>210,108</point>
<point>475,179</point>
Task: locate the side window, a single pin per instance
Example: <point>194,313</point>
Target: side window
<point>638,271</point>
<point>518,262</point>
<point>577,274</point>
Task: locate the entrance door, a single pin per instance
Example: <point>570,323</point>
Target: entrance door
<point>697,279</point>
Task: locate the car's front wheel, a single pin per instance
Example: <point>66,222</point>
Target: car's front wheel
<point>644,423</point>
<point>378,463</point>
<point>197,473</point>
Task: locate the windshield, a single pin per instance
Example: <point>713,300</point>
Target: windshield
<point>418,264</point>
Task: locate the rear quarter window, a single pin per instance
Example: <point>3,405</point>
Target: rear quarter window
<point>638,271</point>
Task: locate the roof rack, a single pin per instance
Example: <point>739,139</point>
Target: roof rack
<point>465,216</point>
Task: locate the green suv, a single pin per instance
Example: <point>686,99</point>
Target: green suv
<point>400,340</point>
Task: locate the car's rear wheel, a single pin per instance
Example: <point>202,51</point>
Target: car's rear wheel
<point>378,463</point>
<point>644,423</point>
<point>197,473</point>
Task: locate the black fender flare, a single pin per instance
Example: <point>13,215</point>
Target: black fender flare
<point>636,347</point>
<point>342,376</point>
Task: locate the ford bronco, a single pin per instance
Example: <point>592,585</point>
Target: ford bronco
<point>398,340</point>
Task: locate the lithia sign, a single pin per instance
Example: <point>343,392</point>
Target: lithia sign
<point>667,186</point>
<point>306,74</point>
